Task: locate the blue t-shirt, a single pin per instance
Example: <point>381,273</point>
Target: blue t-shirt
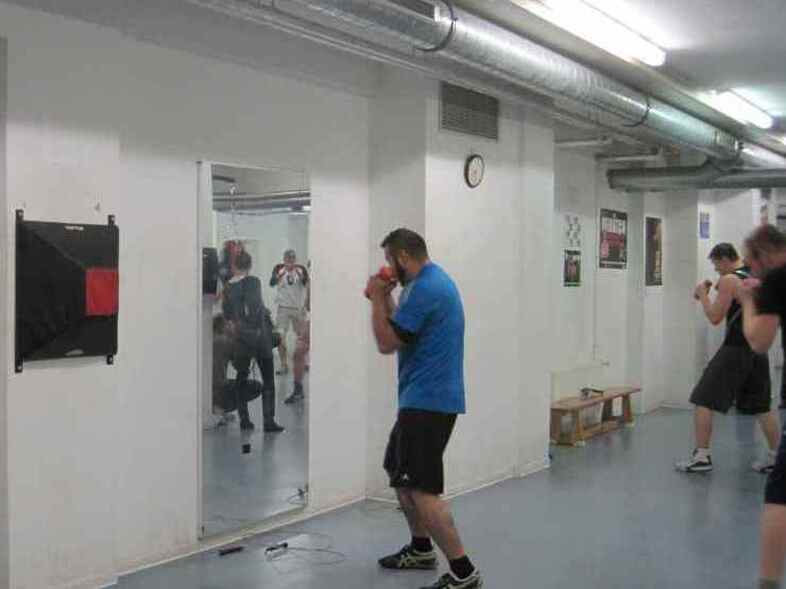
<point>431,366</point>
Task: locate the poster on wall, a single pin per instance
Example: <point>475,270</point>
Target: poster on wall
<point>704,225</point>
<point>613,239</point>
<point>67,286</point>
<point>653,252</point>
<point>572,233</point>
<point>572,268</point>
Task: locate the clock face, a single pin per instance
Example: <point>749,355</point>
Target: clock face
<point>474,170</point>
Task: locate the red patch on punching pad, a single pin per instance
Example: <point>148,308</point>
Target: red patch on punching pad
<point>101,292</point>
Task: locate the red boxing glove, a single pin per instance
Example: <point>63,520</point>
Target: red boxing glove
<point>387,274</point>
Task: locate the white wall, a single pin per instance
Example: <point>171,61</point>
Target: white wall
<point>610,329</point>
<point>537,344</point>
<point>653,346</point>
<point>398,185</point>
<point>573,321</point>
<point>4,328</point>
<point>681,317</point>
<point>474,234</point>
<point>96,454</point>
<point>491,240</point>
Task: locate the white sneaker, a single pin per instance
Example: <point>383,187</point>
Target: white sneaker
<point>695,464</point>
<point>765,466</point>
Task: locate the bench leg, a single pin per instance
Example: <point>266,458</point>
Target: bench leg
<point>627,411</point>
<point>608,411</point>
<point>578,431</point>
<point>556,427</point>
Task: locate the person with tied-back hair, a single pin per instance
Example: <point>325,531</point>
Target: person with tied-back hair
<point>243,306</point>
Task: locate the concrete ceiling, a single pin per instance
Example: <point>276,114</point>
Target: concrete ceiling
<point>176,24</point>
<point>719,44</point>
<point>711,44</point>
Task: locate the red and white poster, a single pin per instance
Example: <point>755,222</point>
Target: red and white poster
<point>613,239</point>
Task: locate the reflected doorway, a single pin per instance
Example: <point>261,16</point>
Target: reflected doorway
<point>255,344</point>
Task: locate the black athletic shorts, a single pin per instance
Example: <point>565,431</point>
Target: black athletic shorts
<point>775,492</point>
<point>735,375</point>
<point>413,458</point>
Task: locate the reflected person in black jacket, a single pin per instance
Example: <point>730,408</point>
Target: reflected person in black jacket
<point>243,306</point>
<point>228,394</point>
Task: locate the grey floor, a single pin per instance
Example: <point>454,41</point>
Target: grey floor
<point>239,489</point>
<point>612,515</point>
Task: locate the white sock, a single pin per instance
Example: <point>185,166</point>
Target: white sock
<point>702,453</point>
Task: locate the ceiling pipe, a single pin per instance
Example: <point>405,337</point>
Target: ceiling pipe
<point>656,157</point>
<point>599,142</point>
<point>459,41</point>
<point>752,179</point>
<point>663,179</point>
<point>704,177</point>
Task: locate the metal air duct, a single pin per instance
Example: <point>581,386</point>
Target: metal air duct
<point>457,40</point>
<point>707,176</point>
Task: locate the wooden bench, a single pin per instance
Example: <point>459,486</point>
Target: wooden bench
<point>574,406</point>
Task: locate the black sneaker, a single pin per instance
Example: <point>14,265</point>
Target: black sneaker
<point>694,464</point>
<point>408,558</point>
<point>271,427</point>
<point>294,397</point>
<point>448,581</point>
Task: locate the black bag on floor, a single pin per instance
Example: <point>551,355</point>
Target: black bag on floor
<point>231,391</point>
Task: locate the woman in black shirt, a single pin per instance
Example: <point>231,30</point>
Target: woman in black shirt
<point>243,305</point>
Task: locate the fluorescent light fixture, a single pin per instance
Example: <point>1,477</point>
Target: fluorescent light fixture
<point>735,106</point>
<point>597,27</point>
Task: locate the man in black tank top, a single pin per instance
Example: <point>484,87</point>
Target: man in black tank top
<point>764,312</point>
<point>736,375</point>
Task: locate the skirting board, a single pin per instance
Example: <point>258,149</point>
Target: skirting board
<point>98,582</point>
<point>238,536</point>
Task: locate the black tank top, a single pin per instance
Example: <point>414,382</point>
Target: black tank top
<point>734,334</point>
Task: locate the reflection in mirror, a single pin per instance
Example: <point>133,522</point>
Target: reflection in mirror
<point>256,340</point>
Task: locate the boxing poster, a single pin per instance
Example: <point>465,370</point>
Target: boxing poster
<point>613,239</point>
<point>572,268</point>
<point>653,252</point>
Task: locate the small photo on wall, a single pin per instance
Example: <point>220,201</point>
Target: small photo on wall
<point>653,252</point>
<point>704,225</point>
<point>572,268</point>
<point>613,239</point>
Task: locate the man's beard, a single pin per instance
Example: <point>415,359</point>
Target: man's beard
<point>401,274</point>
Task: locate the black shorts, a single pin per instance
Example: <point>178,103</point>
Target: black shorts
<point>413,458</point>
<point>775,492</point>
<point>735,375</point>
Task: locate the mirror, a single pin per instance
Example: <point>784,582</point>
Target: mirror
<point>255,344</point>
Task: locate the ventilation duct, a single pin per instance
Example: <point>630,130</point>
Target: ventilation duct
<point>458,41</point>
<point>707,176</point>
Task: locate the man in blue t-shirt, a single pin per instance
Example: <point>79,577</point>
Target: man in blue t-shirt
<point>427,331</point>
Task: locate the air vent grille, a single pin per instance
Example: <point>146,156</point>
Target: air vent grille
<point>469,112</point>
